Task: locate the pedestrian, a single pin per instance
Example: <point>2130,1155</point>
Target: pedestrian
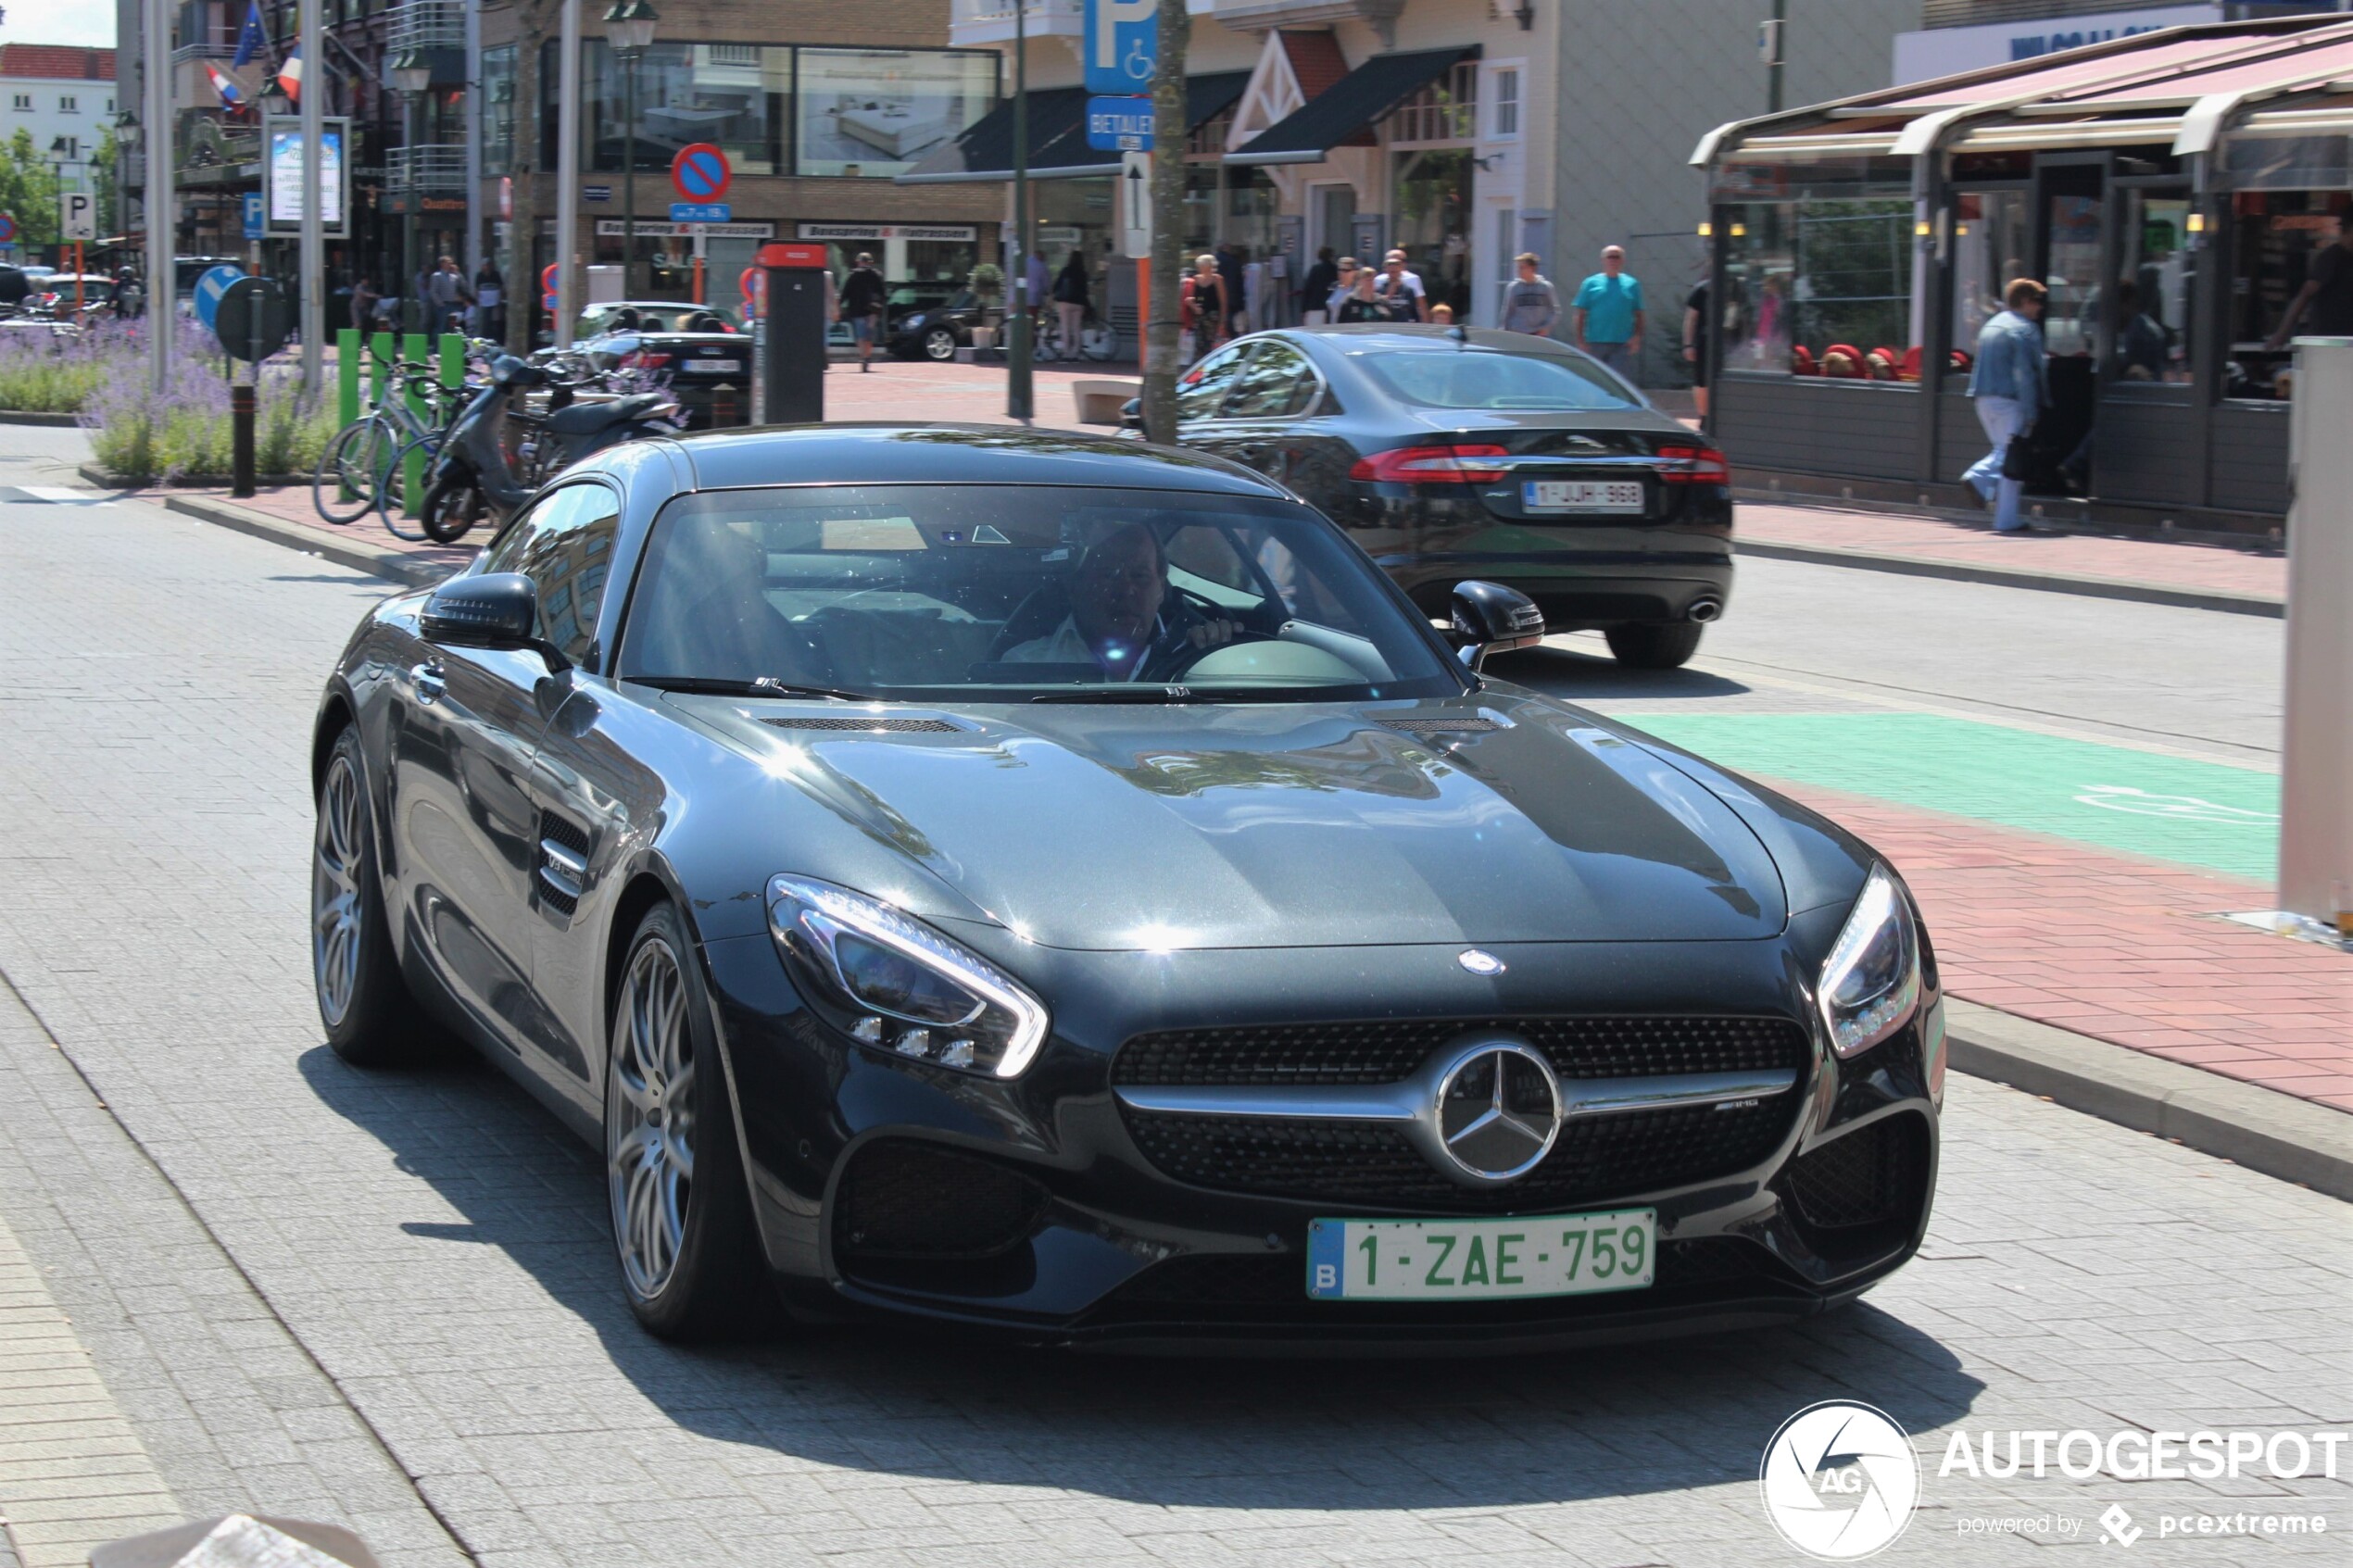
<point>2327,292</point>
<point>1035,275</point>
<point>2006,382</point>
<point>1695,344</point>
<point>864,294</point>
<point>1441,315</point>
<point>1070,303</point>
<point>1609,314</point>
<point>1344,286</point>
<point>364,299</point>
<point>446,290</point>
<point>1316,289</point>
<point>1355,302</point>
<point>1203,309</point>
<point>1530,303</point>
<point>1400,293</point>
<point>490,301</point>
<point>1229,271</point>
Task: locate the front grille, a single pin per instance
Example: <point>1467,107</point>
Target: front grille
<point>1384,1050</point>
<point>875,725</point>
<point>1866,1177</point>
<point>1371,1163</point>
<point>900,1198</point>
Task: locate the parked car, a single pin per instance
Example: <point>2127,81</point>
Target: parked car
<point>1450,453</point>
<point>709,374</point>
<point>1061,886</point>
<point>652,315</point>
<point>936,331</point>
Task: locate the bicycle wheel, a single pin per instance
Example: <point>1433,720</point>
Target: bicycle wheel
<point>1046,345</point>
<point>344,486</point>
<point>1098,341</point>
<point>392,487</point>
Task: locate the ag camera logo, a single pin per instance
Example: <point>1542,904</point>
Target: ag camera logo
<point>1840,1480</point>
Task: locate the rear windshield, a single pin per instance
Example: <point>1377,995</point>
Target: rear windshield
<point>1477,379</point>
<point>993,594</point>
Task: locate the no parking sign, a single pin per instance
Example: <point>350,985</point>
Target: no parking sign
<point>700,172</point>
<point>7,228</point>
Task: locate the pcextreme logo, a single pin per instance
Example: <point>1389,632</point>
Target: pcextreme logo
<point>1840,1480</point>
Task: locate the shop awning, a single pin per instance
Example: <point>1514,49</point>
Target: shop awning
<point>1349,105</point>
<point>1058,148</point>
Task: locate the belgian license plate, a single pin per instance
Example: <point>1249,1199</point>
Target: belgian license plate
<point>1581,494</point>
<point>718,367</point>
<point>1482,1259</point>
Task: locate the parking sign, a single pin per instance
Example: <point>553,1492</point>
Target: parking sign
<point>81,216</point>
<point>1122,44</point>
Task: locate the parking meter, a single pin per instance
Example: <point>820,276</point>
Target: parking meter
<point>790,335</point>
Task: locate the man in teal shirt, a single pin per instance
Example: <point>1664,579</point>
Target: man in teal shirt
<point>1609,311</point>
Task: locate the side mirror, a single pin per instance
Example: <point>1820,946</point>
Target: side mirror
<point>1131,414</point>
<point>1490,619</point>
<point>497,610</point>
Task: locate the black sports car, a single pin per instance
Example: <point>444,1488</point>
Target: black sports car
<point>1452,453</point>
<point>935,332</point>
<point>1048,883</point>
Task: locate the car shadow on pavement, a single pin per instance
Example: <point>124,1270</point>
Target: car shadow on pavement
<point>918,1401</point>
<point>1576,674</point>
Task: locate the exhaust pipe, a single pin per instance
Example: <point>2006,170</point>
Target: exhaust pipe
<point>1705,609</point>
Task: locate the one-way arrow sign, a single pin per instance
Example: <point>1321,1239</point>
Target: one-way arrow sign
<point>1135,205</point>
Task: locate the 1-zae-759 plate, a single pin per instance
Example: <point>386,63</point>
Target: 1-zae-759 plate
<point>1478,1259</point>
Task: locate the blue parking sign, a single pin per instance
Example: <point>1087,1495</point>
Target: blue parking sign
<point>254,224</point>
<point>1120,125</point>
<point>1122,44</point>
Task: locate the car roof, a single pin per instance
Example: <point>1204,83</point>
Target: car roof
<point>898,453</point>
<point>1393,337</point>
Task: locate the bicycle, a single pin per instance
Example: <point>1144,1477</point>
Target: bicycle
<point>344,486</point>
<point>1096,341</point>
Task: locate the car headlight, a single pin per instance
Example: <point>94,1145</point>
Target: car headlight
<point>906,987</point>
<point>910,323</point>
<point>1870,983</point>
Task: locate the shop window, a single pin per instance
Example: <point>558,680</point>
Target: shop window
<point>870,112</point>
<point>2070,319</point>
<point>2150,328</point>
<point>1822,288</point>
<point>499,109</point>
<point>687,93</point>
<point>2280,244</point>
<point>1433,215</point>
<point>1992,243</point>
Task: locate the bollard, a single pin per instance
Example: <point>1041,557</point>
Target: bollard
<point>412,474</point>
<point>723,408</point>
<point>241,439</point>
<point>2316,755</point>
<point>348,359</point>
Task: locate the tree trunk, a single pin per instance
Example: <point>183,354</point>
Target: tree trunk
<point>1170,134</point>
<point>523,283</point>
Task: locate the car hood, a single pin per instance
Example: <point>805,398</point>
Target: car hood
<point>1243,826</point>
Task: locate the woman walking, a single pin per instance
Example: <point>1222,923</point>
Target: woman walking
<point>1206,307</point>
<point>1070,302</point>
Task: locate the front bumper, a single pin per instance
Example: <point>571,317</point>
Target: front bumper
<point>1033,1209</point>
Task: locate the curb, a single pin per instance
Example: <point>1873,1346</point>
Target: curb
<point>47,418</point>
<point>2221,599</point>
<point>402,568</point>
<point>2262,1129</point>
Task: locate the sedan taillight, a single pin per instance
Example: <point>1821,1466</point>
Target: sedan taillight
<point>644,359</point>
<point>1694,465</point>
<point>1429,465</point>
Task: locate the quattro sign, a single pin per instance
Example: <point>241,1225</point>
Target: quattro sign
<point>1120,125</point>
<point>1122,44</point>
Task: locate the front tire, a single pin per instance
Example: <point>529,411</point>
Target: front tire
<point>939,345</point>
<point>372,1019</point>
<point>451,509</point>
<point>681,1224</point>
<point>1655,645</point>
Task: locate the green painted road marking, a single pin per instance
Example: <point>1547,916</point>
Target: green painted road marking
<point>2205,814</point>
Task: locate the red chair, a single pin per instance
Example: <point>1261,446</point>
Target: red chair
<point>1801,361</point>
<point>1879,365</point>
<point>1909,368</point>
<point>1843,359</point>
<point>1961,359</point>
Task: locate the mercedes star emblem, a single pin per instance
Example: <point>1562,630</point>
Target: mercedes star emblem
<point>1479,962</point>
<point>1499,1110</point>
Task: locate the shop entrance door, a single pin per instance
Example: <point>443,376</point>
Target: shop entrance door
<point>2074,251</point>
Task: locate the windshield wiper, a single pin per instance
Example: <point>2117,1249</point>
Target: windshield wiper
<point>766,685</point>
<point>1135,694</point>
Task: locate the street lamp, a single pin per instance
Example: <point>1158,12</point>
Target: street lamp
<point>412,78</point>
<point>629,30</point>
<point>59,156</point>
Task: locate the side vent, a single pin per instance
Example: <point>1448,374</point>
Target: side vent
<point>875,725</point>
<point>563,863</point>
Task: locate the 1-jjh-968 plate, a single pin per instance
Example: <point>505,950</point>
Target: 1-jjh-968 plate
<point>1474,1260</point>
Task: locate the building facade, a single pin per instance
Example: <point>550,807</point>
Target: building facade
<point>63,97</point>
<point>1463,131</point>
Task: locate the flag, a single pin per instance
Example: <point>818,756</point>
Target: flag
<point>253,39</point>
<point>231,96</point>
<point>290,74</point>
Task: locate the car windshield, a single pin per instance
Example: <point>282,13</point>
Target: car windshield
<point>1481,379</point>
<point>995,594</point>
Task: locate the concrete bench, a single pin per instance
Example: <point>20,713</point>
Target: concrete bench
<point>1100,401</point>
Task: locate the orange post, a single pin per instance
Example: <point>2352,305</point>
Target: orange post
<point>699,298</point>
<point>77,282</point>
<point>1143,304</point>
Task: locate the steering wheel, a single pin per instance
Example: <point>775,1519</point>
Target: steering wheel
<point>1172,662</point>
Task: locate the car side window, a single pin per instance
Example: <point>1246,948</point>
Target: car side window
<point>564,545</point>
<point>1270,387</point>
<point>1204,386</point>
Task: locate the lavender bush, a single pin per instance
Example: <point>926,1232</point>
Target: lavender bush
<point>184,434</point>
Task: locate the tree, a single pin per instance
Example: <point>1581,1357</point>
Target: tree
<point>28,190</point>
<point>102,182</point>
<point>1172,131</point>
<point>535,21</point>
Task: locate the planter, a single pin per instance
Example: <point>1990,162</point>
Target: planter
<point>38,417</point>
<point>984,337</point>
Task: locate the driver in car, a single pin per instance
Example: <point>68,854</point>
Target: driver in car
<point>1121,617</point>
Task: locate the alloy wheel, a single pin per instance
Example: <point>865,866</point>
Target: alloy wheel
<point>650,1124</point>
<point>336,908</point>
<point>940,343</point>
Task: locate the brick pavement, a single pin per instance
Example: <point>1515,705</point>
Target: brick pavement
<point>437,1243</point>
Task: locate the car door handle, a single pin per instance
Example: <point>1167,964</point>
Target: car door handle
<point>427,681</point>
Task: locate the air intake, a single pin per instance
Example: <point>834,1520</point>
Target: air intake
<point>1435,725</point>
<point>877,725</point>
